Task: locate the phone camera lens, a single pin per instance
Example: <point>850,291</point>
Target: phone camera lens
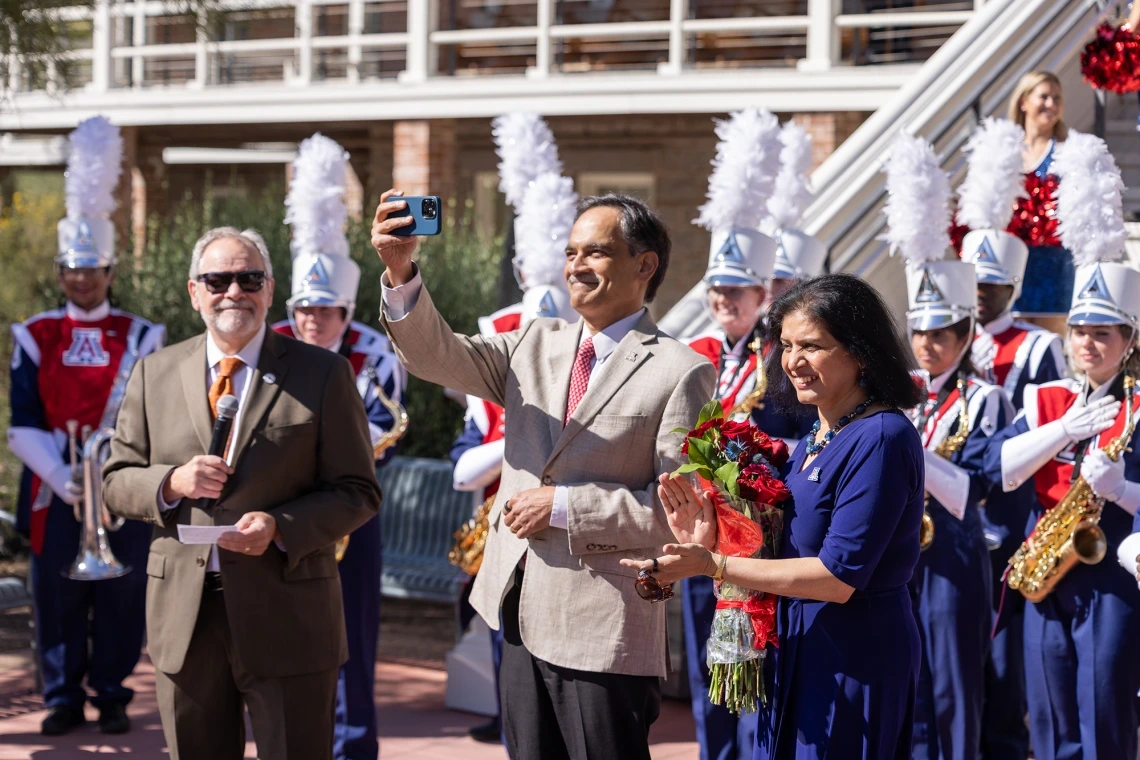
<point>429,208</point>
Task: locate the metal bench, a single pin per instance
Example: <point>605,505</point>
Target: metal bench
<point>420,513</point>
<point>13,594</point>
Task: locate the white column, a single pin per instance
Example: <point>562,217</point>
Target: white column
<point>304,33</point>
<point>678,12</point>
<point>138,39</point>
<point>101,47</point>
<point>822,36</point>
<point>420,59</point>
<point>355,29</point>
<point>542,57</point>
<point>201,53</point>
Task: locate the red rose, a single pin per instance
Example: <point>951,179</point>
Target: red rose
<point>699,433</point>
<point>757,485</point>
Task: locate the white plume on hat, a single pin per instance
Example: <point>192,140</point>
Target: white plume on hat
<point>744,171</point>
<point>526,149</point>
<point>542,229</point>
<point>1089,202</point>
<point>792,191</point>
<point>918,200</point>
<point>315,203</point>
<point>995,179</point>
<point>94,163</point>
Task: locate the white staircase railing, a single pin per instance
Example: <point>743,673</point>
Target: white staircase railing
<point>972,75</point>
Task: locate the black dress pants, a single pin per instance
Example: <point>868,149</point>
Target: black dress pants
<point>555,713</point>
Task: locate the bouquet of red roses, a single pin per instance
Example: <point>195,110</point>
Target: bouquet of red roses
<point>738,466</point>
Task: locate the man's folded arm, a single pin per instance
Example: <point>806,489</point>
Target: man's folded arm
<point>132,484</point>
<point>426,345</point>
<point>347,495</point>
<point>614,517</point>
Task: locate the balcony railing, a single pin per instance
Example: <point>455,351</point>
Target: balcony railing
<point>158,43</point>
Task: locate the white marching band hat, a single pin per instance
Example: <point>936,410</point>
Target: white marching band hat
<point>1106,293</point>
<point>939,293</point>
<point>323,273</point>
<point>998,257</point>
<point>740,259</point>
<point>94,162</point>
<point>799,256</point>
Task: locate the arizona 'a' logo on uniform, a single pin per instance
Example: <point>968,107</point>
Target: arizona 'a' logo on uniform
<point>86,349</point>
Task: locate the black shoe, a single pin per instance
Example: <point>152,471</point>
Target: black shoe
<point>61,720</point>
<point>490,732</point>
<point>113,720</point>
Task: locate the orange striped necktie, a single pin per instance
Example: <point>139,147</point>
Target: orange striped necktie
<point>224,383</point>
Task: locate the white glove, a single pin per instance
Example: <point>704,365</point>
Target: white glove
<point>1082,422</point>
<point>948,483</point>
<point>1127,554</point>
<point>1106,478</point>
<point>60,484</point>
<point>479,466</point>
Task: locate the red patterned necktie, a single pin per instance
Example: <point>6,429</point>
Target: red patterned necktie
<point>579,377</point>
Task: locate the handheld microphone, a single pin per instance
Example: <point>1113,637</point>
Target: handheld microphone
<point>227,410</point>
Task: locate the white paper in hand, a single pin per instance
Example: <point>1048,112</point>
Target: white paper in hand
<point>202,534</point>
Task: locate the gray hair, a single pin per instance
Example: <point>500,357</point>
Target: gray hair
<point>249,237</point>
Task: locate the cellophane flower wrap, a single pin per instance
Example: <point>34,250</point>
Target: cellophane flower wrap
<point>738,466</point>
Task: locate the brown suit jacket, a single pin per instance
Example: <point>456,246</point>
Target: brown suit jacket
<point>303,454</point>
<point>578,608</point>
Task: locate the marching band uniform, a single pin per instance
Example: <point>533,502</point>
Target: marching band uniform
<point>1012,355</point>
<point>324,275</point>
<point>1081,667</point>
<point>66,366</point>
<point>952,581</point>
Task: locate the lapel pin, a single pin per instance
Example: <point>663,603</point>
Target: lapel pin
<point>270,378</point>
<point>631,356</point>
<point>814,477</point>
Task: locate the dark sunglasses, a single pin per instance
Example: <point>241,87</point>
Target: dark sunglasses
<point>250,281</point>
<point>650,589</point>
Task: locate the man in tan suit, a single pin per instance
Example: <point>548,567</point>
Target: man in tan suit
<point>256,618</point>
<point>591,406</point>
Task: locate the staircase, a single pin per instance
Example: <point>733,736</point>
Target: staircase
<point>971,76</point>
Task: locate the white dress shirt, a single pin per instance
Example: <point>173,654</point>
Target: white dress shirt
<point>249,357</point>
<point>399,301</point>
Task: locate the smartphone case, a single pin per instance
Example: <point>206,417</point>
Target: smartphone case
<point>420,225</point>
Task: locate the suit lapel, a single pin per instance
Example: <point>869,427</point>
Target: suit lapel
<point>262,393</point>
<point>564,348</point>
<point>629,354</point>
<point>197,391</point>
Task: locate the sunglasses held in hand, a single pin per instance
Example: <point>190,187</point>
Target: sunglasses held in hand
<point>250,281</point>
<point>650,589</point>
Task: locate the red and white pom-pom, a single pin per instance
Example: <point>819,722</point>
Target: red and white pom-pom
<point>1112,60</point>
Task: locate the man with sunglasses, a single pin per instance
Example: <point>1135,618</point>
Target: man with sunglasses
<point>591,406</point>
<point>258,617</point>
<point>66,365</point>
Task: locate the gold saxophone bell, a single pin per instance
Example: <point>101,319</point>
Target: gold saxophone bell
<point>926,532</point>
<point>1069,532</point>
<point>385,442</point>
<point>946,449</point>
<point>471,539</point>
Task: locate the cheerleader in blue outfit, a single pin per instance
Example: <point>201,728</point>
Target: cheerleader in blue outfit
<point>952,583</point>
<point>1081,661</point>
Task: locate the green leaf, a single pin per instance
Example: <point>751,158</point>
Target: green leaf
<point>679,430</point>
<point>729,474</point>
<point>713,410</point>
<point>703,452</point>
<point>685,469</point>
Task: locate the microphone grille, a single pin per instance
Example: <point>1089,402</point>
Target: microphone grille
<point>227,406</point>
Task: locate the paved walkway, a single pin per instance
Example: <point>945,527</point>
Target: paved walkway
<point>413,721</point>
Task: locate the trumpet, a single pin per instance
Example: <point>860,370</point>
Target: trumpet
<point>386,441</point>
<point>95,560</point>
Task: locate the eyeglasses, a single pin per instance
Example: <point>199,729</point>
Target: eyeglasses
<point>250,281</point>
<point>650,589</point>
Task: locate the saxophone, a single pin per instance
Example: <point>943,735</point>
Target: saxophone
<point>386,441</point>
<point>1069,532</point>
<point>756,395</point>
<point>946,449</point>
<point>471,539</point>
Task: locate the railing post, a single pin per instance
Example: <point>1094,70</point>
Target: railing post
<point>138,39</point>
<point>542,56</point>
<point>304,24</point>
<point>420,55</point>
<point>822,39</point>
<point>101,46</point>
<point>15,73</point>
<point>201,52</point>
<point>355,29</point>
<point>678,12</point>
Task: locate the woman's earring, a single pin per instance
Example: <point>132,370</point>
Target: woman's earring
<point>862,379</point>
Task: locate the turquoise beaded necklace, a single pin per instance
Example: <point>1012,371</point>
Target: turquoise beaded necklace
<point>814,448</point>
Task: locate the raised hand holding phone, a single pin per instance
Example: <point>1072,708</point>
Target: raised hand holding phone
<point>395,250</point>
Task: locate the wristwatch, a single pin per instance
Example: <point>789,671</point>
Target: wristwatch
<point>719,574</point>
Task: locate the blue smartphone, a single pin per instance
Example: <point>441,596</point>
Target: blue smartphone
<point>425,211</point>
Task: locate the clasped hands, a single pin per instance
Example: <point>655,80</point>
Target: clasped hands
<point>203,477</point>
<point>692,518</point>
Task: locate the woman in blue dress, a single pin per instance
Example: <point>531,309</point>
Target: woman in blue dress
<point>953,580</point>
<point>846,669</point>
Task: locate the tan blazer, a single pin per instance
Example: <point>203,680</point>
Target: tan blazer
<point>303,454</point>
<point>579,608</point>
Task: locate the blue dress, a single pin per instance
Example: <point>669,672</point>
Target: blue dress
<point>1049,272</point>
<point>845,675</point>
